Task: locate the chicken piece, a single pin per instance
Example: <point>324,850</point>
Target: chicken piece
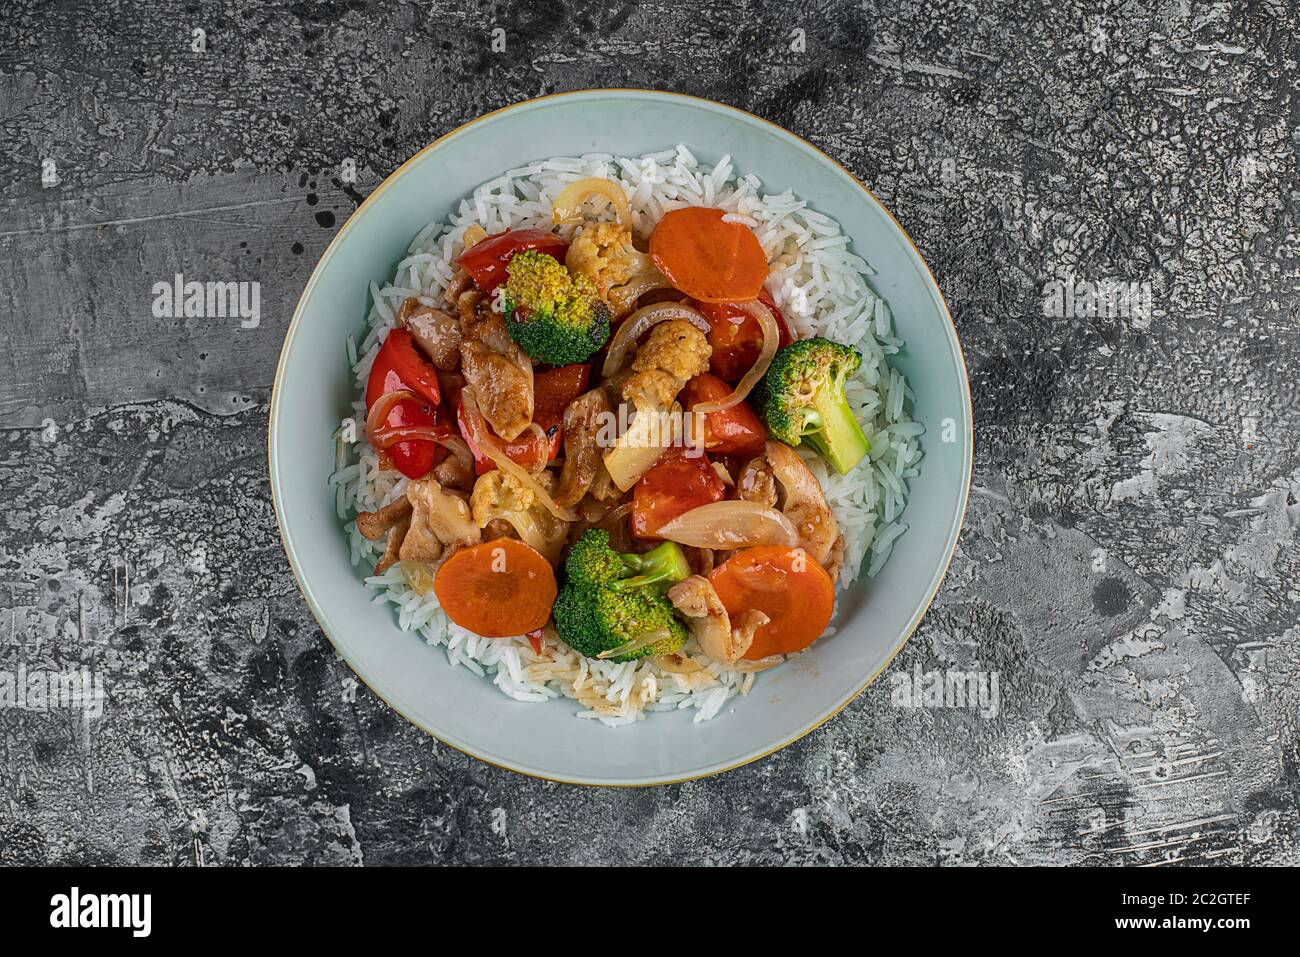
<point>583,420</point>
<point>700,559</point>
<point>803,502</point>
<point>478,321</point>
<point>709,623</point>
<point>460,282</point>
<point>500,372</point>
<point>392,550</point>
<point>743,628</point>
<point>504,391</point>
<point>373,525</point>
<point>436,332</point>
<point>454,472</point>
<point>438,518</point>
<point>755,483</point>
<point>603,489</point>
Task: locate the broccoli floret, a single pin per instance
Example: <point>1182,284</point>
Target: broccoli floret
<point>802,399</point>
<point>610,600</point>
<point>556,318</point>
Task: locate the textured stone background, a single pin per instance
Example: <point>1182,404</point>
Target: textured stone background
<point>1129,562</point>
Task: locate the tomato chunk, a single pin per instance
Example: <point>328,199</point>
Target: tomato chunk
<point>734,431</point>
<point>554,389</point>
<point>486,260</point>
<point>678,482</point>
<point>736,336</point>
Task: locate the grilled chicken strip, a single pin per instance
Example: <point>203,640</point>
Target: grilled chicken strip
<point>438,518</point>
<point>436,332</point>
<point>755,483</point>
<point>500,372</point>
<point>709,623</point>
<point>803,502</point>
<point>583,420</point>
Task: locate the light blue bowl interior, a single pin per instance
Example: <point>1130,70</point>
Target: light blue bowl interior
<point>313,392</point>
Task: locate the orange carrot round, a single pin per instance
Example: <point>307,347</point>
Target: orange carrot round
<point>708,259</point>
<point>788,586</point>
<point>497,589</point>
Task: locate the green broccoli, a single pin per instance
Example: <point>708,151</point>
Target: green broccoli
<point>556,318</point>
<point>615,603</point>
<point>802,399</point>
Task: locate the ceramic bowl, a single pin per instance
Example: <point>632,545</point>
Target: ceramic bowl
<point>313,389</point>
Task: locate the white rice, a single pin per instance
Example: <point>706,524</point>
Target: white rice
<point>820,286</point>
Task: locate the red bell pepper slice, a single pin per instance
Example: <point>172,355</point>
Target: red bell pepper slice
<point>400,365</point>
<point>486,260</point>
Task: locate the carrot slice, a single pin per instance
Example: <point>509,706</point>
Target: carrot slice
<point>708,259</point>
<point>788,586</point>
<point>496,589</point>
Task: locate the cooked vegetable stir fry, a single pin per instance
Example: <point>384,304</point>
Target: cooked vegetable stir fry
<point>598,436</point>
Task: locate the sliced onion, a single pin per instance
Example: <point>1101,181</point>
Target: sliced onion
<point>567,206</point>
<point>678,664</point>
<point>418,575</point>
<point>490,446</point>
<point>624,296</point>
<point>530,532</point>
<point>758,664</point>
<point>639,643</point>
<point>730,524</point>
<point>459,448</point>
<point>639,448</point>
<point>381,437</point>
<point>635,325</point>
<point>771,339</point>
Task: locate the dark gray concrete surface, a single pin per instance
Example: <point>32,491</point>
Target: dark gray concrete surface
<point>1128,565</point>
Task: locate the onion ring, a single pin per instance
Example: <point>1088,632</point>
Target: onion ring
<point>566,207</point>
<point>771,339</point>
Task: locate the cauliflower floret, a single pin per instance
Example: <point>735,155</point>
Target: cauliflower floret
<point>501,497</point>
<point>674,353</point>
<point>496,493</point>
<point>600,252</point>
<point>603,254</point>
<point>652,389</point>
